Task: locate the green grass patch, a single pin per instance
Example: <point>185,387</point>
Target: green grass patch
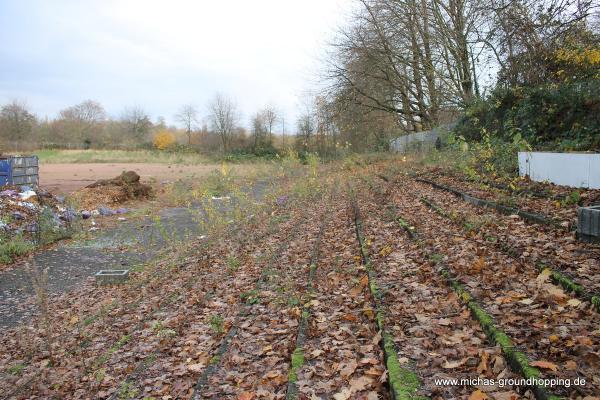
<point>13,247</point>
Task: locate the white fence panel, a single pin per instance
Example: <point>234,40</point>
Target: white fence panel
<point>569,169</point>
<point>420,141</point>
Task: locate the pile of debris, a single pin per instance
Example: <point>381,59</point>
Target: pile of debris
<point>23,209</point>
<point>111,192</point>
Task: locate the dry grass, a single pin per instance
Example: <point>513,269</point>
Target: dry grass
<point>119,156</point>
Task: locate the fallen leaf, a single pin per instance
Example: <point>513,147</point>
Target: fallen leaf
<point>571,365</point>
<point>196,367</point>
<point>356,290</point>
<point>543,276</point>
<point>479,264</point>
<point>555,291</point>
<point>343,395</point>
<point>272,374</point>
<point>483,364</point>
<point>372,396</point>
<point>246,396</point>
<point>348,368</point>
<point>376,338</point>
<point>359,384</point>
<point>544,365</point>
<point>316,353</point>
<point>574,302</point>
<point>478,395</point>
<point>454,364</point>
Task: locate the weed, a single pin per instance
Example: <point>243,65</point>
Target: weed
<point>16,369</point>
<point>216,324</point>
<point>13,247</point>
<point>250,297</point>
<point>39,280</point>
<point>436,258</point>
<point>293,301</point>
<point>572,199</point>
<point>233,264</point>
<point>128,391</point>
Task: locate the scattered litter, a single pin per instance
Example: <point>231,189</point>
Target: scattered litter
<point>104,211</point>
<point>122,219</point>
<point>281,201</point>
<point>27,194</point>
<point>221,198</point>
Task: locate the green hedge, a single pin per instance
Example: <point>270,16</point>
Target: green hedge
<point>563,117</point>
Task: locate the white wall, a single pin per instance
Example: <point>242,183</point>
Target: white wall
<point>568,169</point>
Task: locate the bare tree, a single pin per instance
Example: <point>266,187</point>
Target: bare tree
<point>259,129</point>
<point>223,119</point>
<point>307,122</point>
<point>137,122</point>
<point>16,122</point>
<point>270,116</point>
<point>84,120</point>
<point>188,117</point>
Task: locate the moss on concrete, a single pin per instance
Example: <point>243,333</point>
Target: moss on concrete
<point>297,362</point>
<point>516,359</point>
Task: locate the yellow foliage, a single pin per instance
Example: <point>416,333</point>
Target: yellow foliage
<point>588,56</point>
<point>163,139</point>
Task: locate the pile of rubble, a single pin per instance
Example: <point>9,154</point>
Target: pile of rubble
<point>112,192</point>
<point>21,208</point>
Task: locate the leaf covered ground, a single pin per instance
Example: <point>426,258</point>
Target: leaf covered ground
<point>352,281</point>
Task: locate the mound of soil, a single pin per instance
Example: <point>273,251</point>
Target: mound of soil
<point>126,186</point>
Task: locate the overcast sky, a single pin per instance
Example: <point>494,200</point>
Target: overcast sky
<point>161,54</point>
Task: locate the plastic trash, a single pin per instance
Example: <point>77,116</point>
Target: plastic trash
<point>281,201</point>
<point>68,216</point>
<point>104,211</point>
<point>8,193</point>
<point>27,194</point>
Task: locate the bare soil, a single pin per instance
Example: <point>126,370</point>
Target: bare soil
<point>66,178</point>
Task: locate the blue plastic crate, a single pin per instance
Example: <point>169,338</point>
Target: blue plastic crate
<point>4,171</point>
<point>19,171</point>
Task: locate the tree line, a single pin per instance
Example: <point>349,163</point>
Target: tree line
<point>403,66</point>
<point>397,67</point>
<point>88,125</point>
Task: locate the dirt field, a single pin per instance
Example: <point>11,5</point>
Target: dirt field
<point>66,178</point>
